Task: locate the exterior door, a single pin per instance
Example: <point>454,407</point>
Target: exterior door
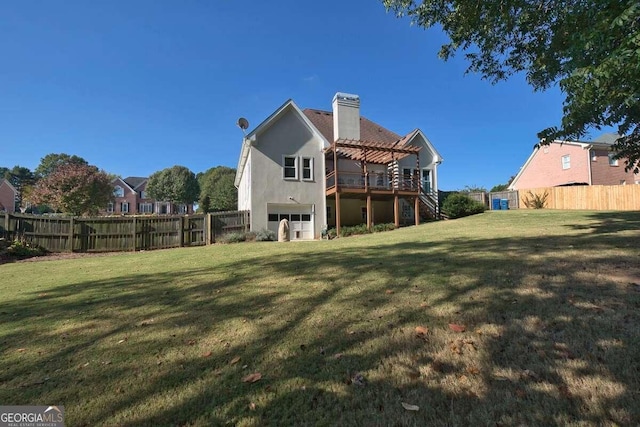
<point>426,180</point>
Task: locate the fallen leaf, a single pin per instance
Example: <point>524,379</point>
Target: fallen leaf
<point>121,341</point>
<point>191,342</point>
<point>456,328</point>
<point>421,331</point>
<point>337,356</point>
<point>413,374</point>
<point>358,379</point>
<point>234,360</point>
<point>388,292</point>
<point>416,291</point>
<point>252,406</point>
<point>424,305</point>
<point>207,354</point>
<point>410,407</point>
<point>252,378</point>
<point>564,391</point>
<point>473,370</point>
<point>22,350</point>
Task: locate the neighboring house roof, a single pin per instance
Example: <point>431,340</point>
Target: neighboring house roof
<point>135,181</point>
<point>607,138</point>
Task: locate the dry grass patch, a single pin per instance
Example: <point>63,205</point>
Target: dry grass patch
<point>508,318</point>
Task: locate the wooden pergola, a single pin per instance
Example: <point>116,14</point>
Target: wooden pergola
<point>367,152</point>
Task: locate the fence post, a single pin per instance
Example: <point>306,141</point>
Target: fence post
<point>71,234</point>
<point>207,227</point>
<point>6,224</point>
<point>181,228</point>
<point>135,230</point>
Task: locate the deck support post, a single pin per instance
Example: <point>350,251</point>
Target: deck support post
<point>396,211</point>
<point>416,210</point>
<point>369,219</point>
<point>337,213</point>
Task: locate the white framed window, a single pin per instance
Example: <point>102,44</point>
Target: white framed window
<point>612,161</point>
<point>118,191</point>
<point>143,194</point>
<point>110,207</point>
<point>124,207</point>
<point>290,167</point>
<point>594,156</point>
<point>566,162</point>
<point>182,209</point>
<point>307,169</point>
<point>146,208</point>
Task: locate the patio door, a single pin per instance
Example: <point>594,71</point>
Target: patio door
<point>426,180</point>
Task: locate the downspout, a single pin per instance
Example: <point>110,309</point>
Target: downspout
<point>589,147</point>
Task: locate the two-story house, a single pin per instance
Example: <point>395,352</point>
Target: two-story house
<point>130,197</point>
<point>574,163</point>
<point>322,169</point>
<point>8,195</point>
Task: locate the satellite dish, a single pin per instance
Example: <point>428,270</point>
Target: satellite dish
<point>243,123</point>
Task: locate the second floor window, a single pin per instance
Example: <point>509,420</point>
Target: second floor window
<point>118,191</point>
<point>143,194</point>
<point>290,167</point>
<point>307,169</point>
<point>566,162</point>
<point>612,161</point>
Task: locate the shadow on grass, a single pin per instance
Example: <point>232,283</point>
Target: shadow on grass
<point>551,337</point>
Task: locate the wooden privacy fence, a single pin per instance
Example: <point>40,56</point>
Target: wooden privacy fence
<point>594,197</point>
<point>127,233</point>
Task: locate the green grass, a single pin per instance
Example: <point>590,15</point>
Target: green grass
<point>550,302</point>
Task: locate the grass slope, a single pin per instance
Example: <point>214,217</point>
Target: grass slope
<point>550,302</point>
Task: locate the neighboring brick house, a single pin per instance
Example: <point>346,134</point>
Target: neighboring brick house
<point>574,163</point>
<point>130,197</point>
<point>8,194</point>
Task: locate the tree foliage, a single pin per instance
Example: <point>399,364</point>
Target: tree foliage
<point>590,48</point>
<point>51,161</point>
<point>77,189</point>
<point>176,184</point>
<point>21,178</point>
<point>217,189</point>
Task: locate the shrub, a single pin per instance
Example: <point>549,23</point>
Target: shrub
<point>235,237</point>
<point>353,230</point>
<point>23,249</point>
<point>250,236</point>
<point>536,201</point>
<point>265,235</point>
<point>460,205</point>
<point>384,227</point>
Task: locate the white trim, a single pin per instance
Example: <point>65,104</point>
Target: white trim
<point>566,161</point>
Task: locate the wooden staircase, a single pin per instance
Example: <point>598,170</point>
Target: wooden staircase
<point>429,206</point>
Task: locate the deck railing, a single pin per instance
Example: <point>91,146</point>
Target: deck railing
<point>372,180</point>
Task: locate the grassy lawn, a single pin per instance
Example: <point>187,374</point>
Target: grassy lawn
<point>549,302</point>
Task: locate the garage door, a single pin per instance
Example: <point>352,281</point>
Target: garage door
<point>300,220</point>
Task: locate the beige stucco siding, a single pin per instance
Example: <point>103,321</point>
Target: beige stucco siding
<point>287,136</point>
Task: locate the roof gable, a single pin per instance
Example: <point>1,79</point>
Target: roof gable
<point>121,182</point>
<point>135,181</point>
<point>6,183</point>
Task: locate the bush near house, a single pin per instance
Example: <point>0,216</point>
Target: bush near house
<point>461,205</point>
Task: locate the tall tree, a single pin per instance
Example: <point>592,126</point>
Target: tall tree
<point>176,184</point>
<point>22,179</point>
<point>51,161</point>
<point>74,188</point>
<point>217,189</point>
<point>591,48</point>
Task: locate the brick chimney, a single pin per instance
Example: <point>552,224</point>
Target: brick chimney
<point>346,116</point>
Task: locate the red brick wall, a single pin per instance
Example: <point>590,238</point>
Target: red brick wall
<point>604,174</point>
<point>545,168</point>
<point>7,197</point>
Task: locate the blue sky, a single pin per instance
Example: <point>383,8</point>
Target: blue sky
<point>138,86</point>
